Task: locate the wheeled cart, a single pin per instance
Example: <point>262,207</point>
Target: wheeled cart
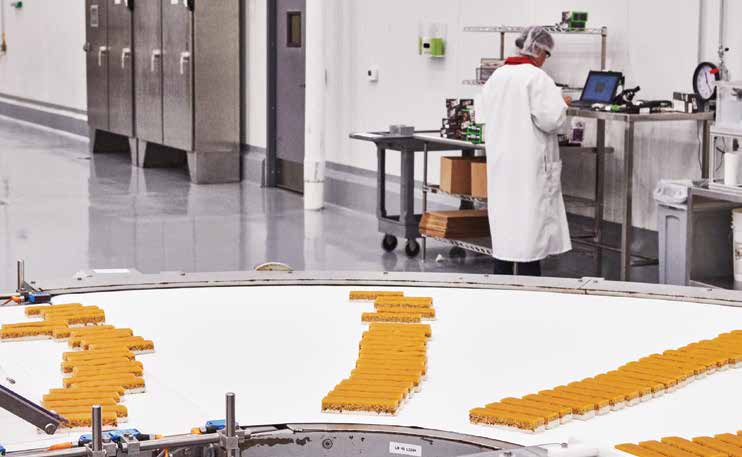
<point>407,223</point>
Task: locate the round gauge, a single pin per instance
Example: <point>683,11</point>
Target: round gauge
<point>704,81</point>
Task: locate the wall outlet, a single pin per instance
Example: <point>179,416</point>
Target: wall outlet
<point>373,74</point>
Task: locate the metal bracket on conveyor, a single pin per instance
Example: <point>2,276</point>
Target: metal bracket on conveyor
<point>231,435</point>
<point>97,447</point>
<point>29,411</point>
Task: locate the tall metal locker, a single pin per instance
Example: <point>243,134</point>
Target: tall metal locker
<point>110,74</point>
<point>195,62</point>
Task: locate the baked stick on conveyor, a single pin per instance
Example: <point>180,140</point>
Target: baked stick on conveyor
<point>45,420</point>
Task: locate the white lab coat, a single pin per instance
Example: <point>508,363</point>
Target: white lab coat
<point>523,110</point>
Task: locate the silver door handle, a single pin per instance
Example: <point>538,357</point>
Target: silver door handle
<point>125,53</point>
<point>102,50</point>
<point>156,54</point>
<point>184,57</point>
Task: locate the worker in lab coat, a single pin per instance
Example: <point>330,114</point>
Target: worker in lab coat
<point>524,110</point>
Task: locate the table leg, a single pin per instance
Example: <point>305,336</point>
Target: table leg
<point>599,197</point>
<point>706,171</point>
<point>381,183</point>
<point>628,161</point>
<point>689,240</point>
<point>407,191</point>
<point>425,196</point>
<point>467,204</point>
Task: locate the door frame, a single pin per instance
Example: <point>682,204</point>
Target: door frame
<point>271,175</point>
<point>272,160</point>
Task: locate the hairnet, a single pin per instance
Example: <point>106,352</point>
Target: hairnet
<point>534,39</point>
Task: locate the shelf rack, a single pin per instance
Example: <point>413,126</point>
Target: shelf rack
<point>503,30</point>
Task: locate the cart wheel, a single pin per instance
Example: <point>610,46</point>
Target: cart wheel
<point>457,253</point>
<point>412,249</point>
<point>389,243</point>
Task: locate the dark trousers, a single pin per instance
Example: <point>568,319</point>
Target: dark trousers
<point>524,269</point>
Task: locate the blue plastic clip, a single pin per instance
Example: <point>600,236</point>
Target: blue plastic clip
<point>215,425</point>
<point>111,435</point>
<point>39,297</point>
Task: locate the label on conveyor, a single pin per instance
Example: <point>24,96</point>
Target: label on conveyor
<point>405,449</point>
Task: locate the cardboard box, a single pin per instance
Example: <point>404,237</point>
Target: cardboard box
<point>479,179</point>
<point>456,174</point>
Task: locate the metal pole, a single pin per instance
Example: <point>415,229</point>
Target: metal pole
<point>21,276</point>
<point>97,429</point>
<point>425,195</point>
<point>628,171</point>
<point>599,196</point>
<point>707,165</point>
<point>231,425</point>
<point>603,47</point>
<point>502,45</point>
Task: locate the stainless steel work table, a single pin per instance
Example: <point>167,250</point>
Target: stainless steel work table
<point>406,225</point>
<point>630,121</point>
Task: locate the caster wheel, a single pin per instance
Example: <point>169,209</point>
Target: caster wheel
<point>457,253</point>
<point>412,249</point>
<point>389,243</point>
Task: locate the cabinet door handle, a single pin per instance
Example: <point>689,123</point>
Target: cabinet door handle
<point>156,54</point>
<point>184,57</point>
<point>101,50</point>
<point>125,53</point>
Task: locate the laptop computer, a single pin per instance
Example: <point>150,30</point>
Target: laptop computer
<point>601,87</point>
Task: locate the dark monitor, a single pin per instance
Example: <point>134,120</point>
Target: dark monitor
<point>601,87</point>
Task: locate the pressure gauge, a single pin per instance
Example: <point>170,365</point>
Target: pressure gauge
<point>704,82</point>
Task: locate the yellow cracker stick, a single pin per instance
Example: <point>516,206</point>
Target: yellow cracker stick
<point>136,370</point>
<point>88,402</point>
<point>143,345</point>
<point>81,396</point>
<point>35,324</point>
<point>119,410</point>
<point>578,407</point>
<point>85,420</point>
<point>36,310</point>
<point>87,341</point>
<point>67,367</point>
<point>79,339</point>
<point>486,416</point>
<point>92,355</point>
<point>665,449</point>
<point>404,301</point>
<point>561,411</point>
<point>390,317</point>
<point>131,384</point>
<point>638,451</point>
<point>718,445</point>
<point>73,391</point>
<point>734,440</point>
<point>26,332</point>
<point>540,412</point>
<point>428,313</point>
<point>356,404</point>
<point>416,328</point>
<point>694,448</point>
<point>373,295</point>
<point>127,380</point>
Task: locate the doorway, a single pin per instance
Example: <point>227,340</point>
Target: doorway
<point>286,93</point>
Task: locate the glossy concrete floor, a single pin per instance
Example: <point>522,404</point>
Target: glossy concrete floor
<point>64,211</point>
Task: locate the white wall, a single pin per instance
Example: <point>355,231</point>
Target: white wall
<point>45,60</point>
<point>654,42</point>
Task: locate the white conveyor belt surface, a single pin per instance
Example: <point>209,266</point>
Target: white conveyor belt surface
<point>281,349</point>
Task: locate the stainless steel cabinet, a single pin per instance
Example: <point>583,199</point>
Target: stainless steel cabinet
<point>189,93</point>
<point>110,77</point>
<point>148,51</point>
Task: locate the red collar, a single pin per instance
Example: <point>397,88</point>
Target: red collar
<point>519,60</point>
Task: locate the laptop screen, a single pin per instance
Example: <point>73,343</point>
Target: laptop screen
<point>601,87</point>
